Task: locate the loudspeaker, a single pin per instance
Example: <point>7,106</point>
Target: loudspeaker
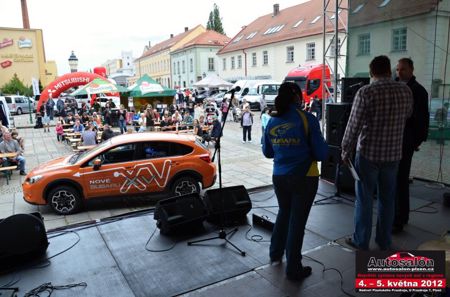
<point>350,85</point>
<point>329,170</point>
<point>337,115</point>
<point>227,206</point>
<point>180,214</point>
<point>23,239</point>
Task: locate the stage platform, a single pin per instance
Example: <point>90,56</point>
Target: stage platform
<point>127,255</point>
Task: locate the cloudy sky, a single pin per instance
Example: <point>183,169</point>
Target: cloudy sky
<point>98,30</point>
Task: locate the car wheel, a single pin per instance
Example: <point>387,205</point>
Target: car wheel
<point>19,111</point>
<point>185,185</point>
<point>64,200</point>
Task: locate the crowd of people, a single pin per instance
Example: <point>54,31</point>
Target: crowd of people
<point>11,142</point>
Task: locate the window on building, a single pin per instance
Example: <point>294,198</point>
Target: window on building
<point>310,51</point>
<point>238,38</point>
<point>399,39</point>
<point>297,24</point>
<point>358,8</point>
<point>333,47</point>
<point>183,66</point>
<point>191,65</point>
<point>239,62</point>
<point>224,63</point>
<point>315,19</point>
<point>251,35</point>
<point>290,54</point>
<point>210,64</point>
<point>174,68</point>
<point>253,59</point>
<point>274,29</point>
<point>364,44</point>
<point>265,58</point>
<point>232,63</point>
<point>385,2</point>
<point>178,67</point>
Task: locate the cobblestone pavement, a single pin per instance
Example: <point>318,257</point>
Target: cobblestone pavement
<point>242,164</point>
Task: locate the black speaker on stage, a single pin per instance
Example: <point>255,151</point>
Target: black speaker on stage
<point>350,85</point>
<point>337,115</point>
<point>180,214</point>
<point>228,205</point>
<point>329,170</point>
<point>23,240</point>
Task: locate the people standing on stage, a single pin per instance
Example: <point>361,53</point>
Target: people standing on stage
<point>376,125</point>
<point>416,132</point>
<point>294,141</point>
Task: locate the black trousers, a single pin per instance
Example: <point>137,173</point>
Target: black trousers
<point>402,197</point>
<point>247,132</point>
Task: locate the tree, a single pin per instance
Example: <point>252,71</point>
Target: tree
<point>215,21</point>
<point>16,86</point>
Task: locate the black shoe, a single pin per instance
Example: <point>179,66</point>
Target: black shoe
<point>304,272</point>
<point>23,172</point>
<point>397,228</point>
<point>351,243</point>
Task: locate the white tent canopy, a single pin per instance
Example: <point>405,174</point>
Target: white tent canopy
<point>213,81</point>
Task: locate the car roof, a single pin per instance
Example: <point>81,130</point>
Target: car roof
<point>160,136</point>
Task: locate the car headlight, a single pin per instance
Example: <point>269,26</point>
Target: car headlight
<point>35,179</point>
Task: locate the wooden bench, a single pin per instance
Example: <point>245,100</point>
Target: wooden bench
<point>7,171</point>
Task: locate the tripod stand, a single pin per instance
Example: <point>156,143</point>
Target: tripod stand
<point>222,234</point>
<point>337,196</point>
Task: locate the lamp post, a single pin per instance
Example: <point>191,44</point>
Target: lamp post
<point>73,62</point>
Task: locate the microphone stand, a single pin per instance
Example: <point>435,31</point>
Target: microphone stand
<point>222,234</point>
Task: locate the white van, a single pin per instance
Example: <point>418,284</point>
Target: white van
<point>253,92</point>
<point>5,114</point>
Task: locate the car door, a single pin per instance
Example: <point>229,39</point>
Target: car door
<point>117,174</point>
<point>20,103</point>
<point>156,165</point>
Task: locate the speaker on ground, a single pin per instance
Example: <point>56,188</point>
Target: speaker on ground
<point>329,170</point>
<point>23,240</point>
<point>228,206</point>
<point>180,214</point>
<point>350,85</point>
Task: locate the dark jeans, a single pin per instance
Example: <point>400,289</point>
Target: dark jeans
<point>295,195</point>
<point>384,176</point>
<point>247,131</point>
<point>123,126</point>
<point>402,201</point>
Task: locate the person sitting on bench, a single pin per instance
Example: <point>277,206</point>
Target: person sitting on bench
<point>10,145</point>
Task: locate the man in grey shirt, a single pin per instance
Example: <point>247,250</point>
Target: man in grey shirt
<point>10,145</point>
<point>89,136</point>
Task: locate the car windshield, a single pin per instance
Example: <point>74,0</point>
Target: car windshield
<point>270,89</point>
<point>81,155</point>
<point>252,91</point>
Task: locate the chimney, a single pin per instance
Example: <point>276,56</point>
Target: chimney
<point>276,9</point>
<point>186,29</point>
<point>171,35</point>
<point>25,19</point>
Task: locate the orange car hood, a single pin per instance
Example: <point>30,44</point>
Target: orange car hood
<point>52,165</point>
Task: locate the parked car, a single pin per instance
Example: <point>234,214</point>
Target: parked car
<point>19,104</point>
<point>125,165</point>
<point>5,113</point>
<point>218,98</point>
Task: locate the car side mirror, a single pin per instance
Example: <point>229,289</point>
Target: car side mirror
<point>97,164</point>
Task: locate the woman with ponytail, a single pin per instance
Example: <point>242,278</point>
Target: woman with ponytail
<point>294,140</point>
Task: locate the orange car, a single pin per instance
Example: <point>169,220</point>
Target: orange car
<point>132,164</point>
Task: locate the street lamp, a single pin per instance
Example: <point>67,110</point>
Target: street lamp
<point>73,62</point>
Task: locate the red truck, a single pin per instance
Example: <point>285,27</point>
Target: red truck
<point>309,78</point>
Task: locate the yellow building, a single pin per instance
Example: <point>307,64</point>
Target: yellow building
<point>22,52</point>
<point>155,61</point>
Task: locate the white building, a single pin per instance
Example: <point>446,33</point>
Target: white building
<point>415,29</point>
<point>120,69</point>
<point>275,43</point>
<point>197,58</point>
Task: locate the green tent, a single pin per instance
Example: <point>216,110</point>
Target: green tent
<point>148,87</point>
<point>98,86</point>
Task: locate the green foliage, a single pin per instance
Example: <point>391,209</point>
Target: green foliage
<point>16,86</point>
<point>215,21</point>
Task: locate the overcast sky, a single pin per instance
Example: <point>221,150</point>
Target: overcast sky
<point>98,30</point>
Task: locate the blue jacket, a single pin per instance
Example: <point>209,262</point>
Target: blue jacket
<point>286,142</point>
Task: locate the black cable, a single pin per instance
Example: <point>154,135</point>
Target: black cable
<point>13,291</point>
<point>324,269</point>
<point>434,210</point>
<point>67,249</point>
<point>158,251</point>
<point>12,282</point>
<point>48,288</point>
<point>254,237</point>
